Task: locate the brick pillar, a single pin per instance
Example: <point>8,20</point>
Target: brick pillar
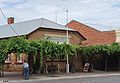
<point>13,62</point>
<point>24,57</point>
<point>13,58</point>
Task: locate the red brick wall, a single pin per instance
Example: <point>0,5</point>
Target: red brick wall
<point>13,64</point>
<point>75,38</point>
<point>62,64</point>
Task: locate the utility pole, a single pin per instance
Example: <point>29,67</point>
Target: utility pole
<point>67,41</point>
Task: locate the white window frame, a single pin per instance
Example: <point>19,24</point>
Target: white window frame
<point>19,59</point>
<point>8,60</point>
<point>56,38</point>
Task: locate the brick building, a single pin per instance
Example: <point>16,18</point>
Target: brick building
<point>93,36</point>
<point>37,29</point>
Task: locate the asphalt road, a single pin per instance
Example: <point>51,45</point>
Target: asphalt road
<point>110,79</point>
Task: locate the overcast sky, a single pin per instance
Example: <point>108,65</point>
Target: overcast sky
<point>101,14</point>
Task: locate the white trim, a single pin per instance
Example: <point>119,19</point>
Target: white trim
<point>56,38</point>
<point>8,60</point>
<point>19,59</point>
<point>56,35</point>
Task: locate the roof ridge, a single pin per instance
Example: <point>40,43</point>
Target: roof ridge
<point>56,23</point>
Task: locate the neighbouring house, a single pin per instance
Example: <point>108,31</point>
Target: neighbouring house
<point>37,29</point>
<point>93,36</point>
<point>96,37</point>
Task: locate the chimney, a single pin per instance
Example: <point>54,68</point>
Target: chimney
<point>10,20</point>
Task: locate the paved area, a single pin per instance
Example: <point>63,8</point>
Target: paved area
<point>107,79</point>
<point>17,76</point>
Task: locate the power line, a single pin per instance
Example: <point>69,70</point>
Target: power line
<point>6,21</point>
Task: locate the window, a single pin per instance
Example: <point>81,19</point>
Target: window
<point>8,60</point>
<point>19,58</point>
<point>56,38</point>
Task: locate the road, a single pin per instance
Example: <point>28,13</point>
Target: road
<point>110,79</point>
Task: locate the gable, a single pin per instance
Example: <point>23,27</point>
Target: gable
<point>93,36</point>
<point>42,33</point>
<point>83,29</point>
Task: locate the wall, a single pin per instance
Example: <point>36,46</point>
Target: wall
<point>75,38</point>
<point>13,64</point>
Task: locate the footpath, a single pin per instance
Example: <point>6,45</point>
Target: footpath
<point>17,76</point>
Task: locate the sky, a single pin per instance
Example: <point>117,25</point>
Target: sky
<point>100,14</point>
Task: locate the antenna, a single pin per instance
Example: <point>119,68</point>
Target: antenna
<point>8,24</point>
<point>66,17</point>
<point>56,16</point>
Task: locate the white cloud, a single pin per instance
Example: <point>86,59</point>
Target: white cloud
<point>105,12</point>
<point>10,1</point>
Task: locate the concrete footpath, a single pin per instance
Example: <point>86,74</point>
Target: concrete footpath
<point>17,76</point>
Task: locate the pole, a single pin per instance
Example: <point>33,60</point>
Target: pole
<point>67,41</point>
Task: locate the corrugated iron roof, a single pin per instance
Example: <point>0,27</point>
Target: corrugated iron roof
<point>26,27</point>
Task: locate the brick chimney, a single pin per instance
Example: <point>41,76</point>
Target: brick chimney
<point>10,20</point>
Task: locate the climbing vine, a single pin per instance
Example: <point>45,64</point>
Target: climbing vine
<point>49,49</point>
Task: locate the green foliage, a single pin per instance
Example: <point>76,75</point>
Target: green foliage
<point>114,49</point>
<point>53,50</point>
<point>42,47</point>
<point>3,50</point>
<point>18,44</point>
<point>106,50</point>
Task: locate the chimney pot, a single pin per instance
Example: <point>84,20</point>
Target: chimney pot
<point>10,20</point>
